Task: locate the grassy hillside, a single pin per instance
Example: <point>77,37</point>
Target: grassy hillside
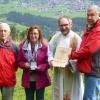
<point>26,17</point>
<point>23,17</point>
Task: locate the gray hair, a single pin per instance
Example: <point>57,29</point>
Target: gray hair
<point>5,25</point>
<point>97,8</point>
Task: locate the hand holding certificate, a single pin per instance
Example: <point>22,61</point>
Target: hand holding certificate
<point>61,57</point>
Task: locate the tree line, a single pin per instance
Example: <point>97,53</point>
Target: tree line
<point>48,25</point>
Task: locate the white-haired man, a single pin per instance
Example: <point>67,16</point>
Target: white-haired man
<point>89,54</point>
<point>8,64</point>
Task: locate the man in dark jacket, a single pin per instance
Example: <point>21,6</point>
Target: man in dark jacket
<point>89,54</point>
<point>7,63</point>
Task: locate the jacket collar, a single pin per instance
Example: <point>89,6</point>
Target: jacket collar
<point>27,45</point>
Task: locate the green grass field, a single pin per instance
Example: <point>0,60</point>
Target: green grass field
<point>19,93</point>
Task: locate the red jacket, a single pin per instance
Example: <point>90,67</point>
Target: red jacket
<point>7,64</point>
<point>90,45</point>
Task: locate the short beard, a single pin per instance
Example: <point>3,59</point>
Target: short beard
<point>65,33</point>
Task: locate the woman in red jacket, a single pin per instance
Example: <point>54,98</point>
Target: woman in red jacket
<point>33,59</point>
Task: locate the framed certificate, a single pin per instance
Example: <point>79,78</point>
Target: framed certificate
<point>61,56</point>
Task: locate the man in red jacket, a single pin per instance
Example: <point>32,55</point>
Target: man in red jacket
<point>88,55</point>
<point>7,63</point>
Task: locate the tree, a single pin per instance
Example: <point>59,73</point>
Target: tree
<point>14,34</point>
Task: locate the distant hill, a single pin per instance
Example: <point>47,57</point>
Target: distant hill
<point>44,13</point>
<point>46,5</point>
<point>49,25</point>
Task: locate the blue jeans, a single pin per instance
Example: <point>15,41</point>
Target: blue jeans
<point>92,88</point>
<point>31,91</point>
<point>7,92</point>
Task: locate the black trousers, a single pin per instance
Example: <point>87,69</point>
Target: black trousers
<point>31,91</point>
